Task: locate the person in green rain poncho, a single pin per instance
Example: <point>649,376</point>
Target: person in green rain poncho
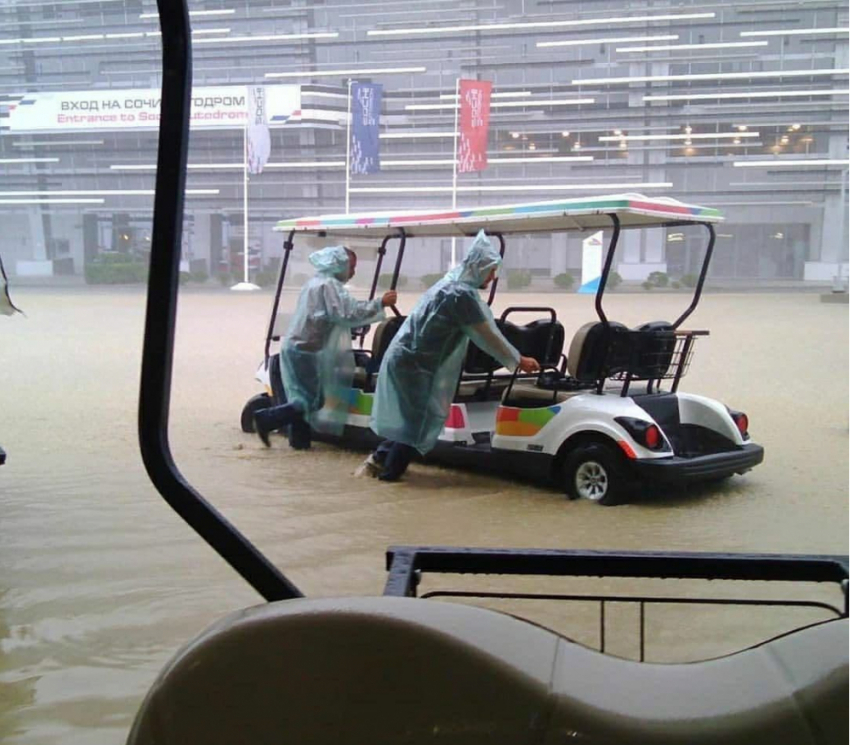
<point>316,361</point>
<point>421,368</point>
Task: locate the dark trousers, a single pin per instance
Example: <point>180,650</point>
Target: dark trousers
<point>395,457</point>
<point>291,415</point>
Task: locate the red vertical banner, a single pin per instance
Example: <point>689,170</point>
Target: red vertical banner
<point>474,124</point>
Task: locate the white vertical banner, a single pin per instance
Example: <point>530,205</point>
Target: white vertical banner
<point>259,139</point>
<point>591,263</point>
<point>257,144</point>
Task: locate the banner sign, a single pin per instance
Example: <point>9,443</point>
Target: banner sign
<point>365,120</point>
<point>258,138</point>
<point>221,107</point>
<point>591,263</point>
<point>474,124</point>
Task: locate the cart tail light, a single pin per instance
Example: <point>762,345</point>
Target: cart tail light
<point>652,437</point>
<point>642,432</point>
<point>742,422</point>
<point>455,419</point>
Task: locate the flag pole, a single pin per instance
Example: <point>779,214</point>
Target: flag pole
<point>454,168</point>
<point>348,152</point>
<point>245,284</point>
<point>245,205</point>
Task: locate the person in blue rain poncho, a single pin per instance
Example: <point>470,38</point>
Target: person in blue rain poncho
<point>317,364</point>
<point>421,367</point>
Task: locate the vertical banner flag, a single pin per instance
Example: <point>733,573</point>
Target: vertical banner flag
<point>365,119</point>
<point>474,123</point>
<point>258,141</point>
<point>591,263</point>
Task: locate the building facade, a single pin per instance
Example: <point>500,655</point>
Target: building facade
<point>742,107</point>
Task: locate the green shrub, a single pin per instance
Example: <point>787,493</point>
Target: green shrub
<point>658,279</point>
<point>265,278</point>
<point>112,272</point>
<point>518,278</point>
<point>385,280</point>
<point>113,257</point>
<point>675,284</point>
<point>565,280</point>
<point>689,280</point>
<point>428,280</point>
<point>199,275</point>
<point>183,278</point>
<point>226,279</point>
<point>613,282</point>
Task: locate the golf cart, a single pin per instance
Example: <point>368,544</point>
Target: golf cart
<point>604,414</point>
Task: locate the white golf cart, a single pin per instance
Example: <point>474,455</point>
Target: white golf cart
<point>605,413</point>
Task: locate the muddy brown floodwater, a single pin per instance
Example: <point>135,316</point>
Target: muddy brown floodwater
<point>100,582</point>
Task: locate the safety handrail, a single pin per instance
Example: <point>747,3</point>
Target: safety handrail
<point>281,276</point>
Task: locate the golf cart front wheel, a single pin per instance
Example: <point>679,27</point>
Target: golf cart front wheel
<point>595,472</point>
<point>255,404</point>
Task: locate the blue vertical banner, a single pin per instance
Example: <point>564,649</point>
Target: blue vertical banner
<point>365,120</point>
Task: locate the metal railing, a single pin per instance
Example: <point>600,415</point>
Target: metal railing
<point>407,564</point>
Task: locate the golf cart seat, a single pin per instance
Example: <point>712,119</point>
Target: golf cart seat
<point>542,339</point>
<point>477,361</point>
<point>597,351</point>
<point>385,332</point>
<point>653,346</point>
<point>643,353</point>
<point>389,670</point>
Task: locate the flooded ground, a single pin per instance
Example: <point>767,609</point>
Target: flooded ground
<point>100,582</point>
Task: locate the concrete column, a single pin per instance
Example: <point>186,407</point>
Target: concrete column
<point>38,240</point>
<point>830,242</point>
<point>833,238</point>
<point>558,253</point>
<point>201,239</point>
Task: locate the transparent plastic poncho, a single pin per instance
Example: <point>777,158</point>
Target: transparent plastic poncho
<point>421,368</point>
<point>317,363</point>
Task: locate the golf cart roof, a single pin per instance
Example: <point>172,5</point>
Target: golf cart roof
<point>633,210</point>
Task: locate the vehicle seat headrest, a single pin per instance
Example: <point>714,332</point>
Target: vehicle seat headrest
<point>384,334</point>
<point>542,339</point>
<point>654,344</point>
<point>597,351</point>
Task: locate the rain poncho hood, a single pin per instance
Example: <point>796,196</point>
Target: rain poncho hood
<point>421,368</point>
<point>480,258</point>
<point>331,261</point>
<point>317,364</point>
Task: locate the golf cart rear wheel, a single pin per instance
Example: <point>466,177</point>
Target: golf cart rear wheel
<point>255,404</point>
<point>594,471</point>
